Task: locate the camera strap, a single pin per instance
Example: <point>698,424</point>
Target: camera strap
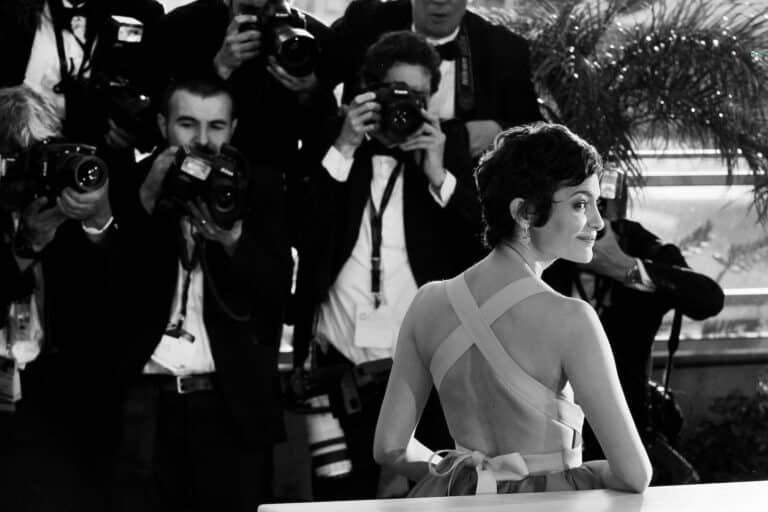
<point>465,83</point>
<point>66,69</point>
<point>189,260</point>
<point>376,234</point>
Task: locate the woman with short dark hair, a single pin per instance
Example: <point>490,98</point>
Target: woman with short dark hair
<point>506,352</point>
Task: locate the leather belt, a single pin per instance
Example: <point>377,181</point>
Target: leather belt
<point>184,384</point>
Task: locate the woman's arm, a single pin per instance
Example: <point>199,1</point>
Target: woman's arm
<point>588,363</point>
<point>407,392</point>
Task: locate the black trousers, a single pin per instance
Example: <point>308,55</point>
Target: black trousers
<point>183,452</point>
<point>359,432</point>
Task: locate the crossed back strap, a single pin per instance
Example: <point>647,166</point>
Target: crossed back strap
<point>475,329</point>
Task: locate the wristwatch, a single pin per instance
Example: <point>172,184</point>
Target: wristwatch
<point>633,276</point>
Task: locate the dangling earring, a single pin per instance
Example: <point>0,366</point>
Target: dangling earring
<point>525,233</point>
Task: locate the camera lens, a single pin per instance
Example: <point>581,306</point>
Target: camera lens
<point>88,172</point>
<point>224,199</point>
<point>400,120</point>
<point>296,50</point>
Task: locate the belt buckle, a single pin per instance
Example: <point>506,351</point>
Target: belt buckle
<point>180,389</point>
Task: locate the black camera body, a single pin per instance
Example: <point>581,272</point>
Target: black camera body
<point>284,36</point>
<point>46,169</point>
<point>129,108</point>
<point>110,92</point>
<point>400,111</point>
<point>220,180</point>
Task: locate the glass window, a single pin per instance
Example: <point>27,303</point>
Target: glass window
<point>686,200</point>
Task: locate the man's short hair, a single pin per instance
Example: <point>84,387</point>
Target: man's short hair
<point>203,87</point>
<point>27,117</point>
<point>402,47</point>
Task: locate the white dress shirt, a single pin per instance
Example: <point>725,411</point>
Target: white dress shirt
<point>442,103</point>
<point>43,71</point>
<point>200,360</point>
<point>351,293</point>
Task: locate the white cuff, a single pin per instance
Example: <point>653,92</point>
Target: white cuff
<point>446,190</point>
<point>98,231</point>
<point>337,165</point>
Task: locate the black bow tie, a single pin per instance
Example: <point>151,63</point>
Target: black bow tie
<point>67,13</point>
<point>377,148</point>
<point>448,51</point>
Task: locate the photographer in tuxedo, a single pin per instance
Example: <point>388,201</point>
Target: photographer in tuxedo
<point>62,48</point>
<point>633,281</point>
<point>205,272</point>
<point>267,52</point>
<point>485,83</point>
<point>389,213</point>
<point>56,227</point>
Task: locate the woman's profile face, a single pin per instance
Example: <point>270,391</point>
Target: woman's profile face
<point>571,230</point>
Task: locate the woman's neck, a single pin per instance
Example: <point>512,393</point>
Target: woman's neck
<point>525,254</point>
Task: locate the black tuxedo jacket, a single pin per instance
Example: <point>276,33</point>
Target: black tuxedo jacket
<point>440,241</point>
<point>68,387</point>
<point>255,280</point>
<point>500,59</point>
<point>632,317</point>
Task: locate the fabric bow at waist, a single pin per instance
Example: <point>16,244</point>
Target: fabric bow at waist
<point>510,466</point>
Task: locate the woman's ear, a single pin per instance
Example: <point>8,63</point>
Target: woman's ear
<point>518,209</point>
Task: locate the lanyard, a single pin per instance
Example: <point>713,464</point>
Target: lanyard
<point>465,83</point>
<point>67,72</point>
<point>376,234</point>
<point>188,263</point>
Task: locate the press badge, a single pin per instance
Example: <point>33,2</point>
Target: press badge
<point>374,328</point>
<point>10,381</point>
<point>175,350</point>
<point>24,331</point>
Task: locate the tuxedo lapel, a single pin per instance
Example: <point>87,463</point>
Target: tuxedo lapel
<point>358,191</point>
<point>18,24</point>
<point>418,223</point>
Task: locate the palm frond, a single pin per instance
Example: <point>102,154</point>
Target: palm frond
<point>695,71</point>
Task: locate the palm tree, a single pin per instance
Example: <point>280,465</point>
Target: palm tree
<point>619,71</point>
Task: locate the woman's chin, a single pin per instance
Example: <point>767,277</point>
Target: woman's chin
<point>582,256</point>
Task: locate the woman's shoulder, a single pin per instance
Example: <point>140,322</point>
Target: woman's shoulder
<point>430,310</point>
<point>562,316</point>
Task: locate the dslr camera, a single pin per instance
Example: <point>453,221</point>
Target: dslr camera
<point>110,91</point>
<point>284,36</point>
<point>220,180</point>
<point>46,169</point>
<point>400,111</point>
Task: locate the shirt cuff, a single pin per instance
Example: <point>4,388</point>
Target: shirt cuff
<point>337,165</point>
<point>98,231</point>
<point>446,190</point>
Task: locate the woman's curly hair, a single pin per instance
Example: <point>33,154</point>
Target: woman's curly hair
<point>530,162</point>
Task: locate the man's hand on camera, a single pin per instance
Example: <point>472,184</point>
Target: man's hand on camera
<point>431,140</point>
<point>118,138</point>
<point>201,218</point>
<point>39,225</point>
<point>608,258</point>
<point>92,208</point>
<point>361,117</point>
<point>237,47</point>
<point>153,183</point>
<point>481,135</point>
<point>303,85</point>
